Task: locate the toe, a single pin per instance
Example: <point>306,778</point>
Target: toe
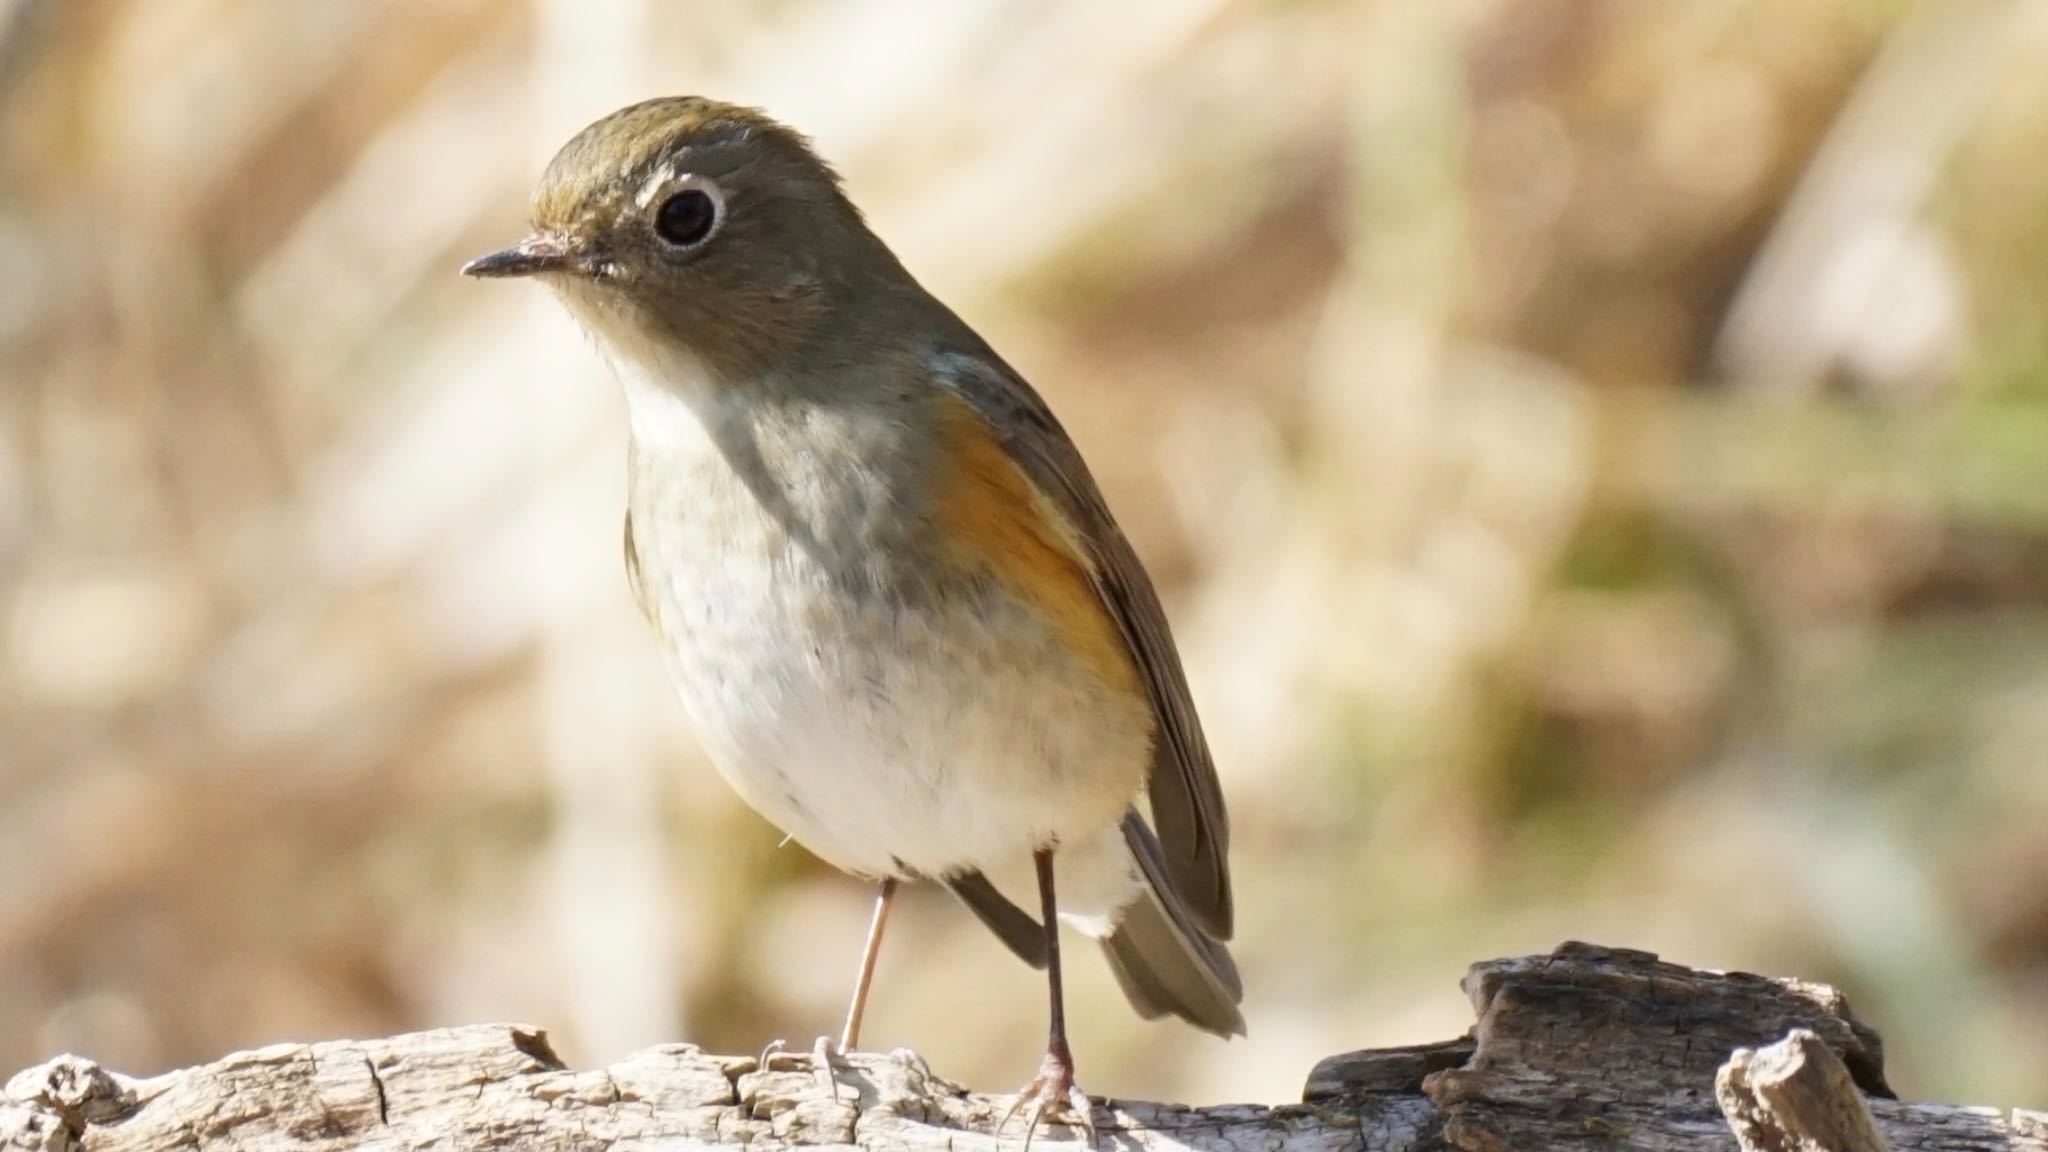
<point>1051,1096</point>
<point>1081,1112</point>
<point>821,1067</point>
<point>915,1066</point>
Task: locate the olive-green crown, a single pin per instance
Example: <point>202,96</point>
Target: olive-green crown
<point>618,152</point>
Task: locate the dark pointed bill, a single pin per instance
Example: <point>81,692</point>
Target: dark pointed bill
<point>529,257</point>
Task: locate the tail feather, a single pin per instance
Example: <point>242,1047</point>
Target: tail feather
<point>1162,959</point>
<point>1011,924</point>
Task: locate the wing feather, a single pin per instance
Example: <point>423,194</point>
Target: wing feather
<point>1187,801</point>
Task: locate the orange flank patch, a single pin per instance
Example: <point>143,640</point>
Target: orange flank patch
<point>994,520</point>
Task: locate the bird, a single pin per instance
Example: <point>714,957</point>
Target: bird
<point>887,588</point>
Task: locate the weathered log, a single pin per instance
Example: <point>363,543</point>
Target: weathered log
<point>1795,1096</point>
<point>1585,1048</point>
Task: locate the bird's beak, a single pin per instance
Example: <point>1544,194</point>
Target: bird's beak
<point>530,257</point>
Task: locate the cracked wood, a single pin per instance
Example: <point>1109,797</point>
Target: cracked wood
<point>1584,1048</point>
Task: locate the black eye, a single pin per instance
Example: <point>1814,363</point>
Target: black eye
<point>686,218</point>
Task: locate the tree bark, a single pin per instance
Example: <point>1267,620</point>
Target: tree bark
<point>1795,1095</point>
<point>1586,1048</point>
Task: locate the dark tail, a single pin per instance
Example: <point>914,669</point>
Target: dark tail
<point>1165,962</point>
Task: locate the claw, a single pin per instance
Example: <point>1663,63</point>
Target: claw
<point>913,1062</point>
<point>776,1057</point>
<point>1052,1093</point>
<point>821,1067</point>
<point>1082,1108</point>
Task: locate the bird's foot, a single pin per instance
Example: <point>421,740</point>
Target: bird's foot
<point>1052,1096</point>
<point>912,1061</point>
<point>777,1058</point>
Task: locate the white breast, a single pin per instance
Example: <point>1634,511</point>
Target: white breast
<point>898,721</point>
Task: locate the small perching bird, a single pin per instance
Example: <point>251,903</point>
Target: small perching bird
<point>901,616</point>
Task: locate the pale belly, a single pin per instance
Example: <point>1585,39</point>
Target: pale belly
<point>923,730</point>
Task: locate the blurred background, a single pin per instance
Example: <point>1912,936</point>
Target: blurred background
<point>1592,451</point>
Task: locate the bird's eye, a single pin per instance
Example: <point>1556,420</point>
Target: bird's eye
<point>686,218</point>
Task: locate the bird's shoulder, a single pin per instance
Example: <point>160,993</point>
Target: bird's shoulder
<point>993,519</point>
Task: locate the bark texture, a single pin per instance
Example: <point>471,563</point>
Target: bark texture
<point>1586,1048</point>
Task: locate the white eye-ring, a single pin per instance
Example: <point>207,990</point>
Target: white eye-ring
<point>689,213</point>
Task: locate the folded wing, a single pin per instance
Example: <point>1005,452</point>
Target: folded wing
<point>1187,802</point>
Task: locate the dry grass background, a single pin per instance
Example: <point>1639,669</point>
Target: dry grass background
<point>1592,450</point>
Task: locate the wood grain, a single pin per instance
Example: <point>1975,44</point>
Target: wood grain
<point>1584,1048</point>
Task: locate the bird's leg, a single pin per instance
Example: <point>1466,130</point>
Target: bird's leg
<point>849,1036</point>
<point>820,1056</point>
<point>1052,1090</point>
